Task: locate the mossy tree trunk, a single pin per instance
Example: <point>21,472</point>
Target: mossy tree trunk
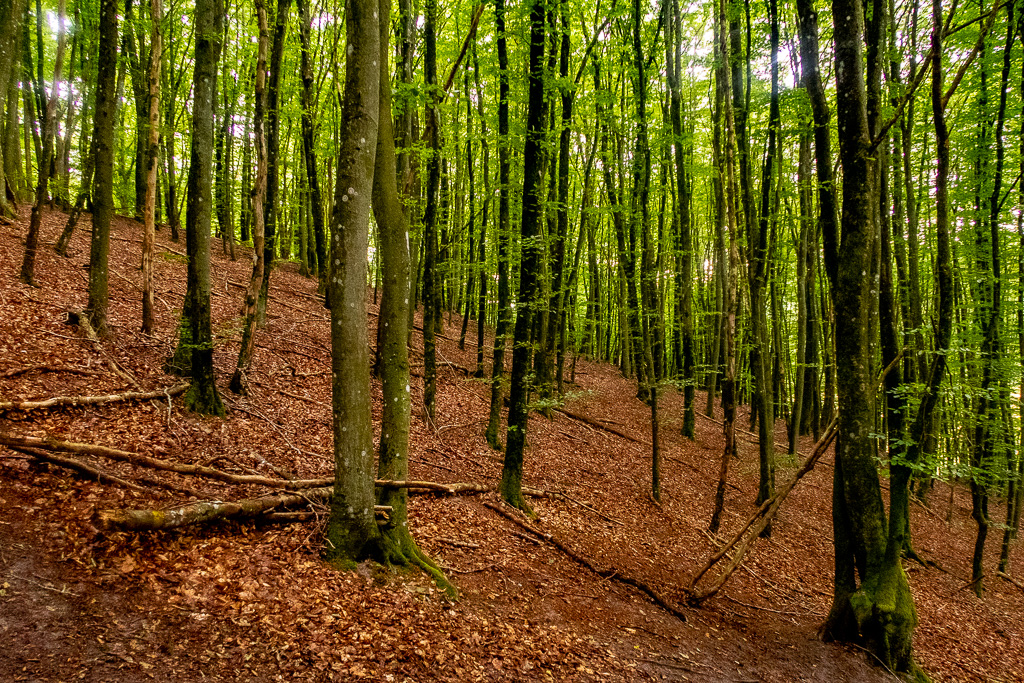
<point>396,543</point>
<point>351,527</point>
<point>202,396</point>
<point>103,169</point>
<point>872,601</point>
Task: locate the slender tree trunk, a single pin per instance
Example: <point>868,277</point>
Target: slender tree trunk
<point>309,151</point>
<point>45,162</point>
<point>396,544</point>
<point>431,281</point>
<point>270,210</point>
<point>727,217</point>
<point>504,236</point>
<point>258,203</point>
<point>103,174</point>
<point>152,154</point>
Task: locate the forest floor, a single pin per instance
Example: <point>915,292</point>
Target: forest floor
<point>236,601</point>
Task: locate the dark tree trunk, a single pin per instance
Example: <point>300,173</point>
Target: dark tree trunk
<point>270,210</point>
<point>202,396</point>
<point>103,174</point>
<point>510,487</point>
<point>503,233</point>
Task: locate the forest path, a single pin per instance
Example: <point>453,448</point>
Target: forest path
<point>248,602</point>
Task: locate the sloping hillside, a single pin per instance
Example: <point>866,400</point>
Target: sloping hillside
<point>236,601</point>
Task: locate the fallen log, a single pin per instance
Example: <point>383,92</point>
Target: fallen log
<point>213,510</point>
<point>744,539</point>
<point>51,444</point>
<point>610,574</point>
<point>93,400</point>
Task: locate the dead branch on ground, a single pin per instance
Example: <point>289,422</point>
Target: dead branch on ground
<point>748,534</point>
<point>610,574</point>
<point>93,400</point>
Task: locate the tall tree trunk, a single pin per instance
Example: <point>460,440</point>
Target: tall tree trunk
<point>510,487</point>
<point>759,257</point>
<point>45,162</point>
<point>727,217</point>
<point>309,151</point>
<point>880,609</point>
<point>503,233</point>
<point>152,154</point>
<point>202,396</point>
<point>351,527</point>
<point>258,204</point>
<point>103,174</point>
<point>11,15</point>
<point>396,543</point>
<point>270,210</point>
<point>431,281</point>
<point>481,317</point>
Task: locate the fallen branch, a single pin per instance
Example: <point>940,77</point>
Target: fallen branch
<point>101,475</point>
<point>209,511</point>
<point>90,471</point>
<point>598,425</point>
<point>610,574</point>
<point>93,400</point>
<point>52,444</point>
<point>42,367</point>
<point>82,320</point>
<point>745,538</point>
<point>1007,577</point>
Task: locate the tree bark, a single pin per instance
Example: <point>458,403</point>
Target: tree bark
<point>151,157</point>
<point>351,527</point>
<point>258,198</point>
<point>510,487</point>
<point>103,173</point>
<point>202,396</point>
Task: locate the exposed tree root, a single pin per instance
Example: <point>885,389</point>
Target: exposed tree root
<point>610,574</point>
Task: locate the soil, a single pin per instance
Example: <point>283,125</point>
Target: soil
<point>253,601</point>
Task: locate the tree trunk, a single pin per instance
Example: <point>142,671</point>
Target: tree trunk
<point>49,125</point>
<point>503,236</point>
<point>396,543</point>
<point>270,209</point>
<point>257,200</point>
<point>510,487</point>
<point>103,174</point>
<point>351,527</point>
<point>431,281</point>
<point>309,151</point>
<point>152,154</point>
<point>202,396</point>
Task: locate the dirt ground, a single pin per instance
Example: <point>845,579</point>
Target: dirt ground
<point>253,601</point>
